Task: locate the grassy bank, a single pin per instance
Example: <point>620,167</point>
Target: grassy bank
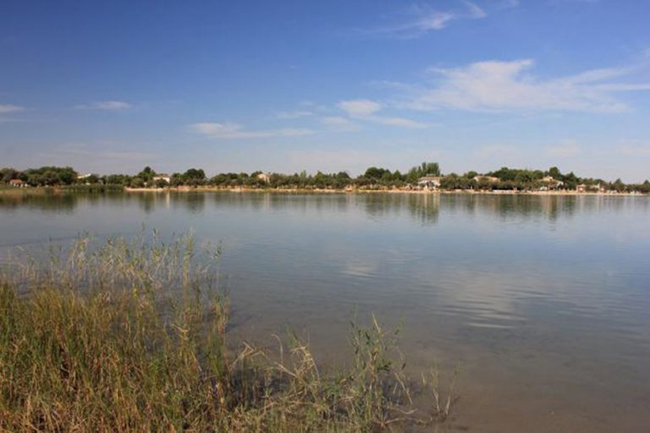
<point>132,336</point>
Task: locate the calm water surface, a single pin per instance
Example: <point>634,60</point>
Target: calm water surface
<point>543,301</point>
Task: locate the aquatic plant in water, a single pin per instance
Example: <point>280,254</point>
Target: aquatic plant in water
<point>132,336</point>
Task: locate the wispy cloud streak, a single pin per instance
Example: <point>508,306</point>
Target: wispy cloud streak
<point>234,131</point>
<point>8,108</point>
<point>366,110</point>
<point>105,105</point>
<point>508,86</point>
<point>421,19</point>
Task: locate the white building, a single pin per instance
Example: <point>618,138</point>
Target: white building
<point>429,181</point>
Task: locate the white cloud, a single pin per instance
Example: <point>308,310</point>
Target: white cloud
<point>399,121</point>
<point>422,19</point>
<point>339,124</point>
<point>360,107</point>
<point>105,105</point>
<point>235,131</point>
<point>432,20</point>
<point>8,108</point>
<point>506,86</point>
<point>564,149</point>
<point>294,114</point>
<point>365,109</point>
<point>474,10</point>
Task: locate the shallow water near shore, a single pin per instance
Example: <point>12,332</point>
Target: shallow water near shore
<point>544,301</point>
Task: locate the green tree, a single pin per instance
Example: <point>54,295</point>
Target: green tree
<point>146,174</point>
<point>137,182</point>
<point>555,173</point>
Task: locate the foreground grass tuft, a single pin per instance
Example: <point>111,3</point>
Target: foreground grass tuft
<point>131,336</point>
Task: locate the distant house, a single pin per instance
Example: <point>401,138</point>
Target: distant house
<point>264,177</point>
<point>429,181</point>
<point>162,176</point>
<point>551,183</point>
<point>590,188</point>
<point>489,179</point>
<point>17,183</point>
<point>88,178</point>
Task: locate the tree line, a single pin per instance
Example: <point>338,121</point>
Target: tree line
<point>373,178</point>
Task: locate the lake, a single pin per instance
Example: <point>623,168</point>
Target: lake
<point>542,301</point>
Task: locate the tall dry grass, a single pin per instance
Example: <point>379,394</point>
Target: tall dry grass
<point>131,336</point>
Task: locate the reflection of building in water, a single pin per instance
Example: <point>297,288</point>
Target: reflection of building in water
<point>266,198</point>
<point>424,207</point>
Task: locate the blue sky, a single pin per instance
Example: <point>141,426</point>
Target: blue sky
<point>326,85</point>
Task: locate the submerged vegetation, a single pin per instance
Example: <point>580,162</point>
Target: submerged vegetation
<point>132,336</point>
<point>427,174</point>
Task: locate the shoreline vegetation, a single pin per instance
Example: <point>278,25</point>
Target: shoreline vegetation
<point>375,190</point>
<point>424,178</point>
<point>133,336</point>
<point>101,189</point>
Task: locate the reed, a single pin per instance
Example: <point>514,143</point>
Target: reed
<point>132,336</point>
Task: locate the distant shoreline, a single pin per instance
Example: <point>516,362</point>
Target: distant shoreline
<point>185,189</point>
<point>390,191</point>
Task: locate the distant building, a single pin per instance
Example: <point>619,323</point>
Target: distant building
<point>84,176</point>
<point>429,181</point>
<point>590,188</point>
<point>264,177</point>
<point>17,183</point>
<point>551,183</point>
<point>162,176</point>
<point>489,179</point>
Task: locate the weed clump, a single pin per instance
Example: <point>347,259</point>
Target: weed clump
<point>132,336</point>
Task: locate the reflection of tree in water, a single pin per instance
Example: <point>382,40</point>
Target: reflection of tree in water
<point>378,206</point>
<point>422,207</point>
<point>297,202</point>
<point>193,202</point>
<point>50,203</point>
<point>147,201</point>
<point>549,207</point>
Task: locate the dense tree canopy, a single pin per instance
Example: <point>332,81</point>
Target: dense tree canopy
<point>373,178</point>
